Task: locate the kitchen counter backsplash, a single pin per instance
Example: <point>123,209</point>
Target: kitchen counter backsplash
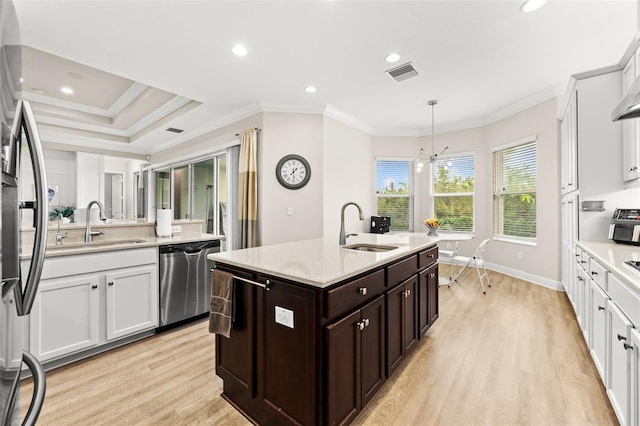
<point>113,229</point>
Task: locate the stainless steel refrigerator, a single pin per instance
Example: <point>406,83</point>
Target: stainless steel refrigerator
<point>19,287</point>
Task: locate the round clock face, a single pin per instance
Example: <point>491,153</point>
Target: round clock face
<point>293,171</point>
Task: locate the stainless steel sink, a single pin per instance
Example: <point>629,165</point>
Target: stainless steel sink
<point>96,244</point>
<point>370,247</point>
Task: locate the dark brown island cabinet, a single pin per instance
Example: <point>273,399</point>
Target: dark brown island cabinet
<point>299,354</point>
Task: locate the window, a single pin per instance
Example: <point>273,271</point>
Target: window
<point>514,190</point>
<point>453,189</point>
<point>394,192</point>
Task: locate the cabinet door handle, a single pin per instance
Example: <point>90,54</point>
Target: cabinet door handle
<point>621,337</point>
<point>431,255</point>
<point>583,261</point>
<point>360,325</point>
<point>94,286</point>
<point>433,275</point>
<point>580,279</point>
<point>633,169</point>
<point>577,255</point>
<point>407,293</point>
<point>362,291</point>
<point>110,283</point>
<point>627,346</point>
<point>600,308</point>
<point>366,322</point>
<point>594,273</point>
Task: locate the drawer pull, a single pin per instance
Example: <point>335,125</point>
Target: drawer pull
<point>583,261</point>
<point>110,283</point>
<point>580,279</point>
<point>407,293</point>
<point>594,273</point>
<point>577,255</point>
<point>600,308</point>
<point>627,346</point>
<point>430,255</point>
<point>94,286</point>
<point>360,325</point>
<point>366,322</point>
<point>621,337</point>
<point>362,291</point>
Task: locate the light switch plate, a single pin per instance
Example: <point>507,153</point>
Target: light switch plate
<point>284,317</point>
<point>176,228</point>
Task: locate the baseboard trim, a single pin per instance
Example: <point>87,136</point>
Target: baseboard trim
<point>535,279</point>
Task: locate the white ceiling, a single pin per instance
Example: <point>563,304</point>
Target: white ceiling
<point>479,59</point>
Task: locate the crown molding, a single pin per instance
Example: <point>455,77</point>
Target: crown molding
<point>173,105</point>
<point>126,98</point>
<point>338,115</point>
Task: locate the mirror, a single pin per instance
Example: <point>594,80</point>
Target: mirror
<point>78,177</point>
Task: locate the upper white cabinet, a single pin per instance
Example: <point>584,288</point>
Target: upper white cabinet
<point>630,128</point>
<point>569,147</point>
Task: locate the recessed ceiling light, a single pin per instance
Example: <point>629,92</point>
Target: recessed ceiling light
<point>531,5</point>
<point>310,89</point>
<point>67,90</point>
<point>392,57</point>
<point>239,50</point>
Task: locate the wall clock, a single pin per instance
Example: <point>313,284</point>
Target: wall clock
<point>293,171</point>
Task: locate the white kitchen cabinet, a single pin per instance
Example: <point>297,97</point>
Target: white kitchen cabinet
<point>630,128</point>
<point>619,362</point>
<point>569,147</point>
<point>635,376</point>
<point>64,318</point>
<point>598,327</point>
<point>89,300</point>
<point>132,301</point>
<point>569,213</point>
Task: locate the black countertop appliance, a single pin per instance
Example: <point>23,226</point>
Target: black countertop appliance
<point>380,224</point>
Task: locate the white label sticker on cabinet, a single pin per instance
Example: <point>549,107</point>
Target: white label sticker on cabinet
<point>284,317</point>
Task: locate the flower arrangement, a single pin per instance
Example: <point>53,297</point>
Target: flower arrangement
<point>432,225</point>
<point>64,211</point>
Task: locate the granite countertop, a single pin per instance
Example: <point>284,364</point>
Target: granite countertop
<point>612,256</point>
<point>102,244</point>
<point>322,262</point>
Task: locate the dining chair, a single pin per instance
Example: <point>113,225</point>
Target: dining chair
<point>477,261</point>
<point>450,256</point>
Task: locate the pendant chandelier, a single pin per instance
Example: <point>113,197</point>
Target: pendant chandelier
<point>420,162</point>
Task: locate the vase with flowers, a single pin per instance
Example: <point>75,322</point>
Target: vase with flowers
<point>432,226</point>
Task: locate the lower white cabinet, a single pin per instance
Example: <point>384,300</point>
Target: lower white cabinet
<point>635,377</point>
<point>78,309</point>
<point>598,327</point>
<point>619,362</point>
<point>64,317</point>
<point>132,301</point>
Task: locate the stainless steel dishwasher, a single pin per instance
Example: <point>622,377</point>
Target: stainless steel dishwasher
<point>185,281</point>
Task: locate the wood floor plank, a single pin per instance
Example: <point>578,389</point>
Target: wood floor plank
<point>514,356</point>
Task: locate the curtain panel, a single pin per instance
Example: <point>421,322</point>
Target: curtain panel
<point>248,188</point>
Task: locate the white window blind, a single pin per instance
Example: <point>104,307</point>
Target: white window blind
<point>514,191</point>
<point>453,189</point>
<point>394,193</point>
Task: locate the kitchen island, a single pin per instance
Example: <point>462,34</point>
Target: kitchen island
<point>318,328</point>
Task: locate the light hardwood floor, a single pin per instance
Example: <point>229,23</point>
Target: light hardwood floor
<point>514,356</point>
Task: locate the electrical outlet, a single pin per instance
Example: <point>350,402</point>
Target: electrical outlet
<point>520,256</point>
<point>289,211</point>
<point>176,228</point>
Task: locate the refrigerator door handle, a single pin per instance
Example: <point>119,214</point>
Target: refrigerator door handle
<point>41,207</point>
<point>39,388</point>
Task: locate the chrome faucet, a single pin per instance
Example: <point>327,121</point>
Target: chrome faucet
<point>60,236</point>
<point>343,235</point>
<point>88,233</point>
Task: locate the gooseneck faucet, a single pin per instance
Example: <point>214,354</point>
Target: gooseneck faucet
<point>88,233</point>
<point>343,235</point>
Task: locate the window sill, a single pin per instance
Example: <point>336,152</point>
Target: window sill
<point>516,241</point>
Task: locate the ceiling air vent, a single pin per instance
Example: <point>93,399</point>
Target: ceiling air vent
<point>174,130</point>
<point>403,72</point>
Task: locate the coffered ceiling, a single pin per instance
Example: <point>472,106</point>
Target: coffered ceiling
<point>140,67</point>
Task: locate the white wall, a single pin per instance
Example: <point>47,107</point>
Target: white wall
<point>542,260</point>
<point>283,134</point>
<point>348,176</point>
